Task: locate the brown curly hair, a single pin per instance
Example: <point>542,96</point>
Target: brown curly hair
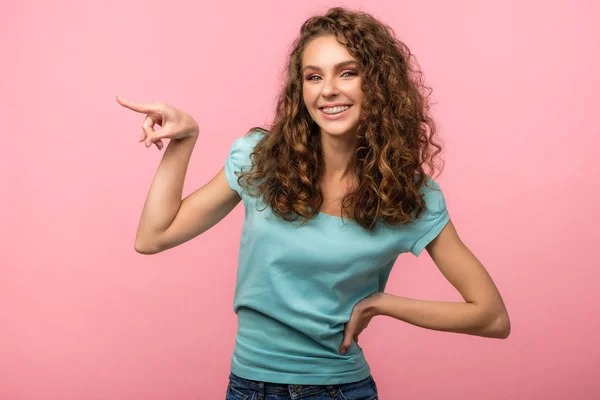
<point>395,131</point>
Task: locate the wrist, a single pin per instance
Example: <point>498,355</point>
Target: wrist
<point>377,305</point>
<point>192,137</point>
<point>380,304</point>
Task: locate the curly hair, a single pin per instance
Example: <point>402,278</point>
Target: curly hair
<point>395,132</point>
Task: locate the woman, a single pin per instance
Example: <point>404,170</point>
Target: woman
<point>334,191</point>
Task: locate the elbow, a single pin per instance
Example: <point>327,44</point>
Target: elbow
<point>494,325</point>
<point>505,331</point>
<point>501,327</point>
<point>145,247</point>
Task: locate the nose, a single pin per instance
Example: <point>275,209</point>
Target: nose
<point>329,88</point>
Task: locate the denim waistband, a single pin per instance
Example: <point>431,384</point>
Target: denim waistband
<point>282,388</point>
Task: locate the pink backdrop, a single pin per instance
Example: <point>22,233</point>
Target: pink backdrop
<point>83,316</point>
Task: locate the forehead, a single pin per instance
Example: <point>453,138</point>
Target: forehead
<point>325,52</point>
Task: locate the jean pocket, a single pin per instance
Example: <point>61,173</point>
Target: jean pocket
<point>236,391</point>
<point>361,390</point>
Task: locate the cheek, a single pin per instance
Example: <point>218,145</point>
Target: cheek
<point>359,100</point>
<point>359,95</point>
<point>308,101</point>
<point>308,95</point>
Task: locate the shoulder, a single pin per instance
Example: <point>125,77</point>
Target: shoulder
<point>250,139</point>
<point>242,147</point>
<point>238,159</point>
<point>432,193</point>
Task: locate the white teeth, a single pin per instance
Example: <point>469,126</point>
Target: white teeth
<point>335,110</point>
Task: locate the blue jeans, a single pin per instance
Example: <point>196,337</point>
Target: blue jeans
<point>244,389</point>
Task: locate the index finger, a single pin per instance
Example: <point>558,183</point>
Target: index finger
<point>142,108</point>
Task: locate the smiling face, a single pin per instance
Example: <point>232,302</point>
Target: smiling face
<point>331,86</point>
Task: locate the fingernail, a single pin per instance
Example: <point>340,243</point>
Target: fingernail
<point>343,351</point>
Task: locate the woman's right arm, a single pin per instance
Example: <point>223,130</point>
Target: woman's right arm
<point>167,221</point>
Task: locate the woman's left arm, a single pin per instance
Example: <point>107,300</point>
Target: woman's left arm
<point>482,314</point>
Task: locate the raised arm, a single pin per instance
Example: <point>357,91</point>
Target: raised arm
<point>167,220</point>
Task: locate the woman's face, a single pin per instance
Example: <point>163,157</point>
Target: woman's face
<point>331,86</point>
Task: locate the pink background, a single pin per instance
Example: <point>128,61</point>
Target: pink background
<point>83,316</point>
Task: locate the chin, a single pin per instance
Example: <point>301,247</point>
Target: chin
<point>338,131</point>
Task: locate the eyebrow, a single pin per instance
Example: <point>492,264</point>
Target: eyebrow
<point>336,66</point>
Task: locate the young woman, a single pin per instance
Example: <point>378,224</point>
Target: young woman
<point>334,191</point>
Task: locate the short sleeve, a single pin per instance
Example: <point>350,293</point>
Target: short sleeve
<point>432,220</point>
<point>239,158</point>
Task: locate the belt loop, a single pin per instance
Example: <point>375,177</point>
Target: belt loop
<point>261,390</point>
<point>332,391</point>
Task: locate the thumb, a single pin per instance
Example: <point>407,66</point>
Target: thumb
<point>348,335</point>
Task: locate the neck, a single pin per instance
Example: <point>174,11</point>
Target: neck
<point>338,152</point>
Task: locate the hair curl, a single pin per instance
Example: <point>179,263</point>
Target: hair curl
<point>395,131</point>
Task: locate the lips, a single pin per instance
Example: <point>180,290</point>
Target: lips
<point>334,105</point>
<point>335,116</point>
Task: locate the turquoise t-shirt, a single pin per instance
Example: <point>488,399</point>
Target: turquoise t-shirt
<point>297,285</point>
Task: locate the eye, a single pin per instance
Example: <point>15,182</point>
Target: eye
<point>344,74</point>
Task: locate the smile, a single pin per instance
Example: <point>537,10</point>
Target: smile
<point>334,112</point>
